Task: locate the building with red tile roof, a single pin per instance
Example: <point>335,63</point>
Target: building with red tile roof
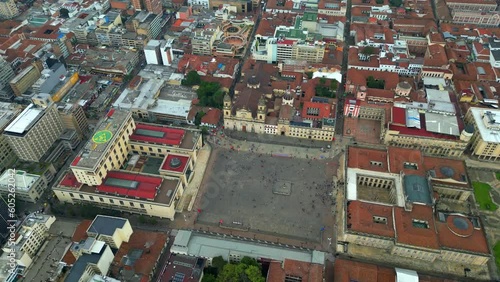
<point>306,272</point>
<point>269,101</point>
<point>138,258</point>
<point>393,198</point>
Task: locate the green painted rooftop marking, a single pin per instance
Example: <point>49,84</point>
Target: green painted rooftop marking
<point>102,136</point>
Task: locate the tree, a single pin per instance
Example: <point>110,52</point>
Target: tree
<point>198,117</point>
<point>230,273</point>
<point>309,74</point>
<point>254,274</point>
<point>218,263</point>
<point>208,278</point>
<point>64,13</point>
<point>371,82</point>
<point>192,78</point>
<point>334,85</point>
<point>210,94</point>
<point>395,3</point>
<point>368,50</point>
<point>322,81</point>
<point>249,261</point>
<point>379,2</point>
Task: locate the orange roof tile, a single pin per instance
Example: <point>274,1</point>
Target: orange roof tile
<point>308,272</point>
<point>152,244</point>
<point>361,218</point>
<point>406,227</point>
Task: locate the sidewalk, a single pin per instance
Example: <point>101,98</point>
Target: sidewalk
<point>199,172</point>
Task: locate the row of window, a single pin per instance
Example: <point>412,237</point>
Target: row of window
<point>111,201</point>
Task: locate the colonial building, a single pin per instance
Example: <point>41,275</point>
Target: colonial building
<point>267,108</point>
<point>392,199</point>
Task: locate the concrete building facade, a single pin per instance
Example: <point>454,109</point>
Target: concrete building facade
<point>8,9</point>
<point>485,142</point>
<point>35,130</point>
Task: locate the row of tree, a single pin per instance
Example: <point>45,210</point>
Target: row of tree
<point>210,94</point>
<point>247,270</point>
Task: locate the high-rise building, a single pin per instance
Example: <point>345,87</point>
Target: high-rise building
<point>35,130</point>
<point>8,112</point>
<point>8,9</point>
<point>6,74</point>
<point>153,6</point>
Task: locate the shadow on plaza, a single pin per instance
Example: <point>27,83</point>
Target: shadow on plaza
<point>275,139</point>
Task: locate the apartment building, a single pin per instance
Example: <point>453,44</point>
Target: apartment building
<point>29,187</point>
<point>8,112</point>
<point>485,140</point>
<point>25,79</point>
<point>8,9</point>
<point>93,257</point>
<point>35,129</point>
<point>484,6</point>
<point>30,236</point>
<point>202,41</point>
<point>73,117</point>
<point>6,75</point>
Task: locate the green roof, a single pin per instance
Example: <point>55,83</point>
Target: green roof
<point>310,17</point>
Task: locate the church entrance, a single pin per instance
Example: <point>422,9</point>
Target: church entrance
<point>244,128</point>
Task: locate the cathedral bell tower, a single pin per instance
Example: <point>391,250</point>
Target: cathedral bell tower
<point>227,105</point>
<point>262,109</point>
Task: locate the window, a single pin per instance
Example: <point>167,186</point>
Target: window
<point>71,195</point>
<point>380,219</point>
<point>91,198</point>
<point>420,224</point>
<point>141,205</point>
<point>101,199</point>
<point>81,197</point>
<point>408,165</point>
<point>131,204</point>
<point>111,201</point>
<point>121,203</point>
<point>374,163</point>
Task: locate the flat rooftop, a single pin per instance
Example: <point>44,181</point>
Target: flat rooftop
<point>158,135</point>
<point>106,225</point>
<point>24,180</point>
<point>127,185</point>
<point>104,136</point>
<point>184,268</point>
<point>488,123</point>
<point>25,120</point>
<point>7,114</point>
<point>204,245</point>
<point>141,98</point>
<point>369,218</point>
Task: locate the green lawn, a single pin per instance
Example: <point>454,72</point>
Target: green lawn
<point>497,174</point>
<point>483,198</point>
<point>496,252</point>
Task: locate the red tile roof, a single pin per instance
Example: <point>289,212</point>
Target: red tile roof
<point>362,157</point>
<point>409,234</point>
<point>399,116</point>
<point>171,136</point>
<point>459,238</point>
<point>360,218</point>
<point>80,233</point>
<point>324,110</point>
<point>308,272</point>
<point>168,159</point>
<point>347,271</point>
<point>152,245</point>
<point>147,186</point>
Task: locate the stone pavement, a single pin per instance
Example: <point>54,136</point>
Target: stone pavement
<point>199,172</point>
<point>289,151</point>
